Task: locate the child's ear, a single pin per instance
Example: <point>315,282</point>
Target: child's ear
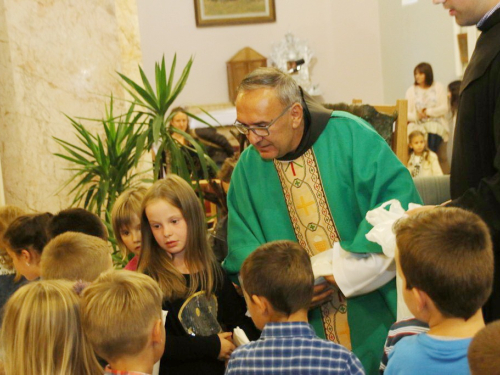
<point>29,256</point>
<point>158,333</point>
<point>422,301</point>
<point>262,304</point>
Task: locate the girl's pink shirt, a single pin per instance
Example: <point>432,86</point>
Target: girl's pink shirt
<point>132,265</point>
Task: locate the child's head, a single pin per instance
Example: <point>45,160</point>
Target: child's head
<point>281,273</point>
<point>7,215</point>
<point>75,256</point>
<point>417,143</point>
<point>484,351</point>
<point>77,220</point>
<point>447,254</point>
<point>126,221</point>
<point>174,233</point>
<point>42,333</point>
<point>121,313</point>
<point>25,239</point>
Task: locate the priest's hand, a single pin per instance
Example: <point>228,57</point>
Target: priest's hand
<point>322,293</point>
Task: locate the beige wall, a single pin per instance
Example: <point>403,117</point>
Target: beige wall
<point>343,34</point>
<point>410,35</point>
<point>56,57</point>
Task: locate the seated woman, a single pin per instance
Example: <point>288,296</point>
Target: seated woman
<point>427,108</point>
<point>216,146</point>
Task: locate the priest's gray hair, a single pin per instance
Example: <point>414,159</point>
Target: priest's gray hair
<point>287,89</point>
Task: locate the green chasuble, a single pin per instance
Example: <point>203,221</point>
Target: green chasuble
<point>359,172</point>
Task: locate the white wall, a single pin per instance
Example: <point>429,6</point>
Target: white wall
<point>410,35</point>
<point>344,35</point>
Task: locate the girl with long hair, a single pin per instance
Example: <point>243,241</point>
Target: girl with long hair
<point>202,303</point>
<point>422,162</point>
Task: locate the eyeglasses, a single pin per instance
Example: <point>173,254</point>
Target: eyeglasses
<point>261,131</point>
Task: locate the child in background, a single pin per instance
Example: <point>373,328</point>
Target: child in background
<point>42,333</point>
<point>278,282</point>
<point>25,239</point>
<point>125,218</point>
<point>10,281</point>
<point>134,339</point>
<point>445,259</point>
<point>75,256</point>
<point>484,351</point>
<point>422,162</point>
<point>201,301</point>
<point>77,220</point>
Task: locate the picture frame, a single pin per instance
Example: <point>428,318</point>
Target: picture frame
<point>233,12</point>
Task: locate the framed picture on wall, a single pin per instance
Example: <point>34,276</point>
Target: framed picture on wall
<point>233,12</point>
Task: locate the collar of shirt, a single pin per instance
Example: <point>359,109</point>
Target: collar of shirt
<point>487,15</point>
<point>287,329</point>
<point>109,371</point>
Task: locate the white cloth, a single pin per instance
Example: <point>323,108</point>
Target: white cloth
<point>423,168</point>
<point>361,273</point>
<point>381,233</point>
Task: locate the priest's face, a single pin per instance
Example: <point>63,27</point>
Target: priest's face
<point>467,12</point>
<point>262,107</point>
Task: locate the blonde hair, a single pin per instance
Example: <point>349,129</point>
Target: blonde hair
<point>42,333</point>
<point>75,256</point>
<point>126,206</point>
<point>426,152</point>
<point>199,257</point>
<point>118,311</point>
<point>7,215</point>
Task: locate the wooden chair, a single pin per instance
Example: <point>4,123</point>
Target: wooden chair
<point>400,137</point>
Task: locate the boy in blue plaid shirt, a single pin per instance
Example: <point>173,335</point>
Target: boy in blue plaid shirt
<point>278,282</point>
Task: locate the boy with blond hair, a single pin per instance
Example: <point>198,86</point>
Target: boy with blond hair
<point>122,318</point>
<point>277,281</point>
<point>445,260</point>
<point>75,256</point>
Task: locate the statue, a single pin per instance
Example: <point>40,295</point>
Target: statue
<point>294,56</point>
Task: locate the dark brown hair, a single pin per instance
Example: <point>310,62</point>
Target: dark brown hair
<point>454,89</point>
<point>484,350</point>
<point>200,259</point>
<point>281,272</point>
<point>447,253</point>
<point>28,231</point>
<point>426,69</point>
<point>77,220</point>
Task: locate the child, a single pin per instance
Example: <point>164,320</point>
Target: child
<point>278,282</point>
<point>127,225</point>
<point>484,351</point>
<point>423,162</point>
<point>42,334</point>
<point>445,260</point>
<point>132,341</point>
<point>75,256</point>
<point>10,281</point>
<point>77,220</point>
<point>199,297</point>
<point>25,239</point>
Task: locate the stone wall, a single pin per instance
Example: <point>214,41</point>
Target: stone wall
<point>56,58</point>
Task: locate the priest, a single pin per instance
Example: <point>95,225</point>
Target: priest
<point>311,175</point>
